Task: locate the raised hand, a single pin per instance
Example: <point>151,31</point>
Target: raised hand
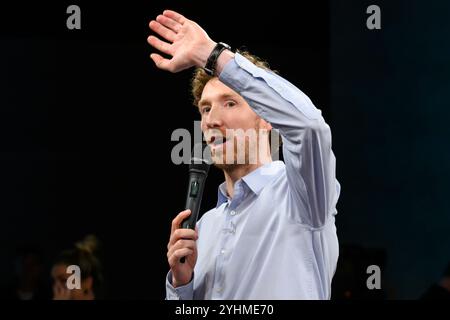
<point>187,44</point>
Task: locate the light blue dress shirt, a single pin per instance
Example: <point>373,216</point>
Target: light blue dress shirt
<point>276,238</point>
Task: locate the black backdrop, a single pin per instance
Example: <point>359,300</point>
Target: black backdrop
<point>86,123</point>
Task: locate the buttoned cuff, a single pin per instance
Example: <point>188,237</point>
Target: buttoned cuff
<point>185,292</point>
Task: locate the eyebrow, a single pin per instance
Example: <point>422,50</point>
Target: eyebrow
<point>223,96</point>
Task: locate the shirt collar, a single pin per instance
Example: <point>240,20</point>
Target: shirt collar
<point>255,180</point>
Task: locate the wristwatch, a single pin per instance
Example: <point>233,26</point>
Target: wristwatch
<point>210,67</point>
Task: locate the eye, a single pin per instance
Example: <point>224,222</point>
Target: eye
<point>230,104</point>
<point>205,109</point>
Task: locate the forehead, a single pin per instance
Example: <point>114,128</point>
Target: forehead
<point>215,89</point>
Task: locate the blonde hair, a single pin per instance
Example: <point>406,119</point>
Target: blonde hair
<point>89,244</point>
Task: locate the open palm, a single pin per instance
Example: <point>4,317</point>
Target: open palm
<point>186,42</point>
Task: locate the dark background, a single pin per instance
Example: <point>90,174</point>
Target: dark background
<point>86,122</point>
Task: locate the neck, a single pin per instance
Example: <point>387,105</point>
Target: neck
<point>234,173</point>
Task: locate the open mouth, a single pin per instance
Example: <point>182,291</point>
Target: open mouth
<point>217,140</point>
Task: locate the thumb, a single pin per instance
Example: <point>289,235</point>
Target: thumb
<point>160,62</point>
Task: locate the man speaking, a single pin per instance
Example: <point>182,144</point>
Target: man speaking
<point>272,234</point>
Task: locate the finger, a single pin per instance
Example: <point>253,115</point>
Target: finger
<point>162,31</point>
<point>160,45</point>
<point>160,62</point>
<point>178,254</point>
<point>55,290</point>
<point>176,222</point>
<point>175,16</point>
<point>58,290</point>
<point>183,233</point>
<point>187,234</point>
<point>180,244</point>
<point>169,23</point>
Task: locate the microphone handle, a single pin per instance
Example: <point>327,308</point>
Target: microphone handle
<point>197,180</point>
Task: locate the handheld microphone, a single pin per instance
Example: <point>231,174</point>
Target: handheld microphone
<point>198,171</point>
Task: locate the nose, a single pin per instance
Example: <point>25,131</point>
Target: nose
<point>213,119</point>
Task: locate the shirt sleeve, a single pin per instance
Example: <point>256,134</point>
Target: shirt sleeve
<point>310,162</point>
<point>185,292</point>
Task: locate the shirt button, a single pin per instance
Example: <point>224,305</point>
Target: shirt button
<point>222,251</point>
<point>232,212</point>
<point>219,289</point>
